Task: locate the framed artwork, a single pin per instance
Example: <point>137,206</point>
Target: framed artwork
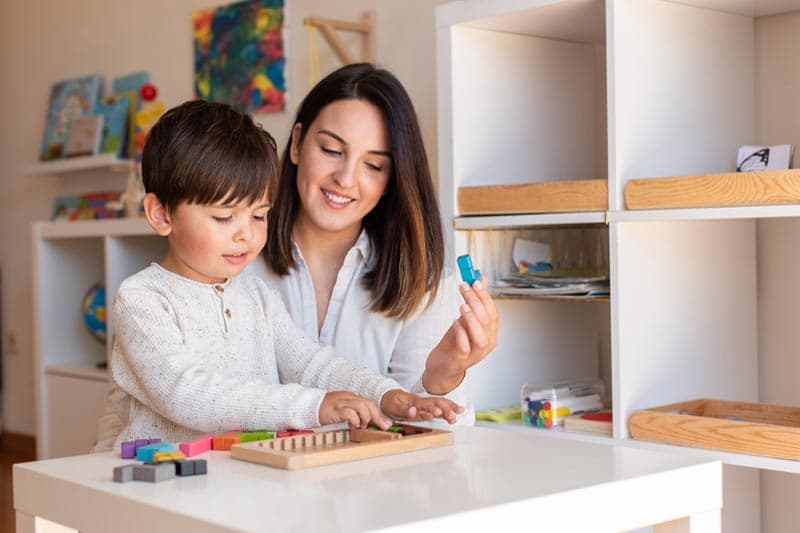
<point>69,100</point>
<point>239,55</point>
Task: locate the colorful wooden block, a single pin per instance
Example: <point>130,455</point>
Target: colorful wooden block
<point>128,450</point>
<point>197,446</point>
<point>225,441</point>
<point>124,473</point>
<point>153,473</point>
<point>145,453</point>
<point>200,467</point>
<point>173,455</point>
<point>252,436</point>
<point>184,468</point>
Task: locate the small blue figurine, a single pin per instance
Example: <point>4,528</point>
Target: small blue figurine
<point>468,272</point>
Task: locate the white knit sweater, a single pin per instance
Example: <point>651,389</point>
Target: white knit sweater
<point>194,358</point>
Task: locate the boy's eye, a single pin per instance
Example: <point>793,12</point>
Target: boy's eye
<point>222,219</point>
<point>261,217</point>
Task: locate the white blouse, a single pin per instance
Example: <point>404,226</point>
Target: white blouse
<point>395,348</point>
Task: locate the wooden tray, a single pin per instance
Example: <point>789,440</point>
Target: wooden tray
<point>755,428</point>
<point>338,446</point>
<point>543,197</point>
<point>761,187</point>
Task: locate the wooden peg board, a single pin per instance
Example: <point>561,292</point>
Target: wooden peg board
<point>338,446</point>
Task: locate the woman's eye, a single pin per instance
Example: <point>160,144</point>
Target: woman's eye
<point>330,151</point>
<point>375,167</point>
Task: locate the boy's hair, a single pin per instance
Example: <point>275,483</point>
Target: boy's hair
<point>404,228</point>
<point>207,152</point>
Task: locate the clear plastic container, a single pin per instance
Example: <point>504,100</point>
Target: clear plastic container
<point>547,404</point>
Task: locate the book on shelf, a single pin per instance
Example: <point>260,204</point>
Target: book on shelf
<point>116,112</point>
<point>751,158</point>
<point>85,134</point>
<point>69,100</point>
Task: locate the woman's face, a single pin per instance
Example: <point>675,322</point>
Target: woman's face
<point>343,166</point>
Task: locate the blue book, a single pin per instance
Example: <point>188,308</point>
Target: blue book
<point>116,111</point>
<point>69,100</point>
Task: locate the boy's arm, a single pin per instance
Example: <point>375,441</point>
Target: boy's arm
<point>301,360</point>
<point>150,362</point>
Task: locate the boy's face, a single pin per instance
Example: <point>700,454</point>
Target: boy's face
<point>210,243</point>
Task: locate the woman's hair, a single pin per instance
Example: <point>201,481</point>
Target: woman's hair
<point>404,228</point>
<point>205,152</point>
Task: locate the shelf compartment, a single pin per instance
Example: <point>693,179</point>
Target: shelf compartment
<point>95,228</point>
<point>542,197</point>
<point>765,187</point>
<point>741,427</point>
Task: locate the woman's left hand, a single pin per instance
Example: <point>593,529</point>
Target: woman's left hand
<point>470,338</point>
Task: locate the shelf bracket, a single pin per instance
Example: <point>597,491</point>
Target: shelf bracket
<point>327,28</point>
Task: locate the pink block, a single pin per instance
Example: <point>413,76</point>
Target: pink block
<point>197,446</point>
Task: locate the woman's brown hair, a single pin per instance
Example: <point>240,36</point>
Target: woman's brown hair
<point>404,228</point>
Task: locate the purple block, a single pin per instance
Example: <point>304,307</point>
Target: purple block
<point>128,450</point>
<point>141,442</point>
<point>153,441</point>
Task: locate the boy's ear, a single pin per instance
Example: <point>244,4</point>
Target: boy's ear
<point>157,215</point>
<point>294,150</point>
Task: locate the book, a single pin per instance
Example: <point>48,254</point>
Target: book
<point>84,136</point>
<point>116,111</point>
<point>131,85</point>
<point>69,99</point>
<point>751,158</point>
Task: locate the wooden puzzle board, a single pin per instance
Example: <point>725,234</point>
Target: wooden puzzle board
<point>338,446</point>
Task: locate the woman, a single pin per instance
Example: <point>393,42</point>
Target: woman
<point>355,241</point>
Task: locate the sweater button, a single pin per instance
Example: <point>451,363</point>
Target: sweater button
<point>228,313</point>
<point>219,288</point>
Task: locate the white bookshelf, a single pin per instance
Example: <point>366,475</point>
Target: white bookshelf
<point>702,299</point>
<point>68,258</point>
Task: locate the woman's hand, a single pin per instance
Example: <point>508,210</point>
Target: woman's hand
<point>400,404</point>
<point>470,338</point>
<point>358,412</point>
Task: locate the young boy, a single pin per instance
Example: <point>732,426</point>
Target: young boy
<point>203,348</point>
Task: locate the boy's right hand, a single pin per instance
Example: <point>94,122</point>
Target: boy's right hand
<point>358,412</point>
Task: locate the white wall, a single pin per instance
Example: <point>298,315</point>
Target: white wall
<point>42,41</point>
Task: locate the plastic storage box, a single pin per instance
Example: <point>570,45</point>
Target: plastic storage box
<point>547,404</point>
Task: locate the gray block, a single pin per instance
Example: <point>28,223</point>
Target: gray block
<point>154,472</point>
<point>123,473</point>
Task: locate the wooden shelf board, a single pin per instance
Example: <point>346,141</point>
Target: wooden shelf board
<point>529,198</point>
<point>557,298</point>
<point>78,164</point>
<point>728,189</point>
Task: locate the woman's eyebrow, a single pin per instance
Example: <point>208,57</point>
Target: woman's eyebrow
<point>339,139</point>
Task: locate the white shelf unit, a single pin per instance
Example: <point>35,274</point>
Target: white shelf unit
<point>69,257</point>
<point>702,300</point>
<point>83,164</point>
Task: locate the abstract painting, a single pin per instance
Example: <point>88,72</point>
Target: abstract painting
<point>239,56</point>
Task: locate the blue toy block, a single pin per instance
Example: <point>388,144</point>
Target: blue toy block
<point>468,272</point>
<point>145,453</point>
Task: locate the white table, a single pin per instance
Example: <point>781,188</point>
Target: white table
<point>488,479</point>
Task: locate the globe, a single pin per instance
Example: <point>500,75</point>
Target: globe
<point>94,311</point>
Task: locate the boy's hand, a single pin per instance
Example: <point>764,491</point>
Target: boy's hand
<point>358,412</point>
<point>470,338</point>
<point>404,405</point>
